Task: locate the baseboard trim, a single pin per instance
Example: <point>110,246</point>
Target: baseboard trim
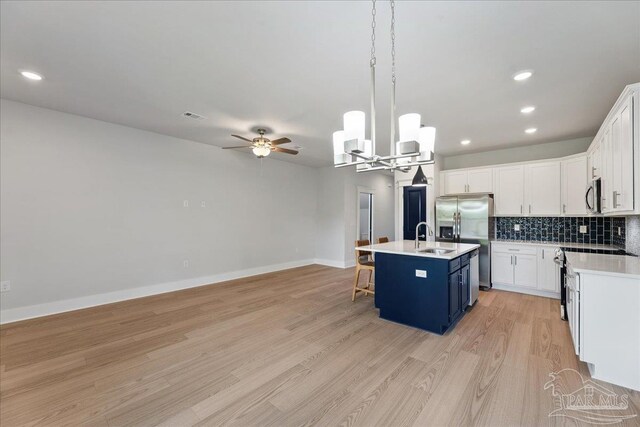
<point>62,306</point>
<point>536,292</point>
<point>334,263</point>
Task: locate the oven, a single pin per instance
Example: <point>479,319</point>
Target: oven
<point>561,261</point>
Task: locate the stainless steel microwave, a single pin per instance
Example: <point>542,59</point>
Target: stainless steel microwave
<point>593,196</point>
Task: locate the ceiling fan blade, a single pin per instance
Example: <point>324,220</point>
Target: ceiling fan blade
<point>237,146</point>
<point>243,138</point>
<point>284,150</point>
<point>280,141</point>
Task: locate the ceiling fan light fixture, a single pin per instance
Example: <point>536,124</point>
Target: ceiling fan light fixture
<point>261,151</point>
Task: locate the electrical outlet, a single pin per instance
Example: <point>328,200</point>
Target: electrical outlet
<point>516,227</point>
<point>185,263</point>
<point>421,273</point>
<point>5,286</point>
<point>185,203</point>
<point>583,229</point>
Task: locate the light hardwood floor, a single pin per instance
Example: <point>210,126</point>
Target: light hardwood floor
<point>285,349</point>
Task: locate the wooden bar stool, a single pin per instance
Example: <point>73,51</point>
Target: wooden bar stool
<point>383,240</point>
<point>363,262</point>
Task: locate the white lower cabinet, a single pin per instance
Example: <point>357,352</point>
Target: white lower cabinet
<point>525,271</point>
<point>548,270</point>
<point>529,269</point>
<point>502,268</point>
<point>604,319</point>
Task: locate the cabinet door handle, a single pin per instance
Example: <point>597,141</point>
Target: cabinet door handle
<point>511,259</point>
<point>516,260</point>
<point>564,208</point>
<point>616,194</point>
<point>529,209</point>
<point>520,209</point>
<point>543,254</point>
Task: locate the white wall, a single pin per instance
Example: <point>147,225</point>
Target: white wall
<point>338,211</point>
<point>383,212</point>
<point>549,150</point>
<point>91,208</point>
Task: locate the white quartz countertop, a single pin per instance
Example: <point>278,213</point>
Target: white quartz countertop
<point>407,247</point>
<point>592,246</point>
<point>607,265</point>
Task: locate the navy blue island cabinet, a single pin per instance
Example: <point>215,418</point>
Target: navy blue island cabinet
<point>423,292</point>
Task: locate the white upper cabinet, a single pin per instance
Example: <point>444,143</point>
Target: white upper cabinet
<point>607,166</point>
<point>614,155</point>
<point>455,182</point>
<point>467,181</point>
<point>542,189</point>
<point>509,190</point>
<point>574,185</point>
<point>480,180</point>
<point>622,153</point>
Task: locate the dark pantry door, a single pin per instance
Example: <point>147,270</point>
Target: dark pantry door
<point>415,210</point>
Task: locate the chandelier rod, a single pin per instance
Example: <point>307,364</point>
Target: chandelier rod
<point>392,142</point>
<point>372,85</point>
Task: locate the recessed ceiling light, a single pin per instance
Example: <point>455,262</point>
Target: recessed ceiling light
<point>531,130</point>
<point>31,75</point>
<point>465,142</point>
<point>527,110</point>
<point>522,75</point>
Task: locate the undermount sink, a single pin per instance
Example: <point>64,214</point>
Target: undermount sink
<point>435,251</point>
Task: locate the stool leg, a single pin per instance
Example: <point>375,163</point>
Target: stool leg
<point>355,284</point>
<point>370,281</point>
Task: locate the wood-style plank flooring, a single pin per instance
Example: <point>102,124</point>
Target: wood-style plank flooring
<point>285,349</point>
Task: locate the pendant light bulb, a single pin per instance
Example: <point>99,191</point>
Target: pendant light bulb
<point>420,179</point>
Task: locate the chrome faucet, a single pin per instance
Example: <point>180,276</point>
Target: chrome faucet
<point>429,232</point>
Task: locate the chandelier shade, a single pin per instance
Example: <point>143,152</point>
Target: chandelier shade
<point>354,124</point>
<point>409,125</point>
<point>338,142</point>
<point>427,139</point>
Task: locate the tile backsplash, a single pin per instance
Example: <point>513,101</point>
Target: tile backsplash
<point>632,234</point>
<point>560,229</point>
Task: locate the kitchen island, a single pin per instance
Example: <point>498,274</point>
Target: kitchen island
<point>428,287</point>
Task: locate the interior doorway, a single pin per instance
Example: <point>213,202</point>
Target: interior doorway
<point>365,216</point>
<point>414,210</point>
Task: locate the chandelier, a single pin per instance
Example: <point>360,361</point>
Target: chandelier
<point>415,143</point>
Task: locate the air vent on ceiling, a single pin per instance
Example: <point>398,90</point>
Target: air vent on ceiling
<point>191,115</point>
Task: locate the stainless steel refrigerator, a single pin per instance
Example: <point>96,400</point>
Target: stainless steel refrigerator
<point>468,219</point>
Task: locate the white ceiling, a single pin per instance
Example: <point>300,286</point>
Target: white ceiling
<point>296,66</point>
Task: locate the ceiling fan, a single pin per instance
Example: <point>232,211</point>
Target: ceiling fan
<point>262,146</point>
